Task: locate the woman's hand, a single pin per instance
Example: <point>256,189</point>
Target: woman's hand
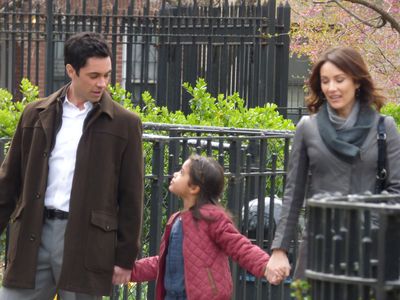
<point>278,267</point>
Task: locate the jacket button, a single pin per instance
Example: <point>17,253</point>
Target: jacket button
<point>45,154</point>
<point>32,237</point>
<point>37,195</point>
<point>108,227</point>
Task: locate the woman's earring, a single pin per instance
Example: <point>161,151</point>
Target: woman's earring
<point>357,96</point>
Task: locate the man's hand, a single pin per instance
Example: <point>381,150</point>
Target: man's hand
<point>278,267</point>
<point>121,276</point>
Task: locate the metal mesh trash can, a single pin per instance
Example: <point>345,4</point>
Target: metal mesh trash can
<point>251,286</point>
<point>354,247</point>
<point>3,142</point>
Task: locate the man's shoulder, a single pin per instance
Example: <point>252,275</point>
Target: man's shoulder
<point>43,103</point>
<point>123,122</point>
<point>118,111</point>
<point>122,112</point>
<point>33,108</point>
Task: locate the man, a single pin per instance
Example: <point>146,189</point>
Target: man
<point>71,186</point>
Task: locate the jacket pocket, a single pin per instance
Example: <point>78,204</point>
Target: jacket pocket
<point>101,242</point>
<point>15,227</point>
<point>212,282</point>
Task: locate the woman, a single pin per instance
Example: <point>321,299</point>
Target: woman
<point>336,145</point>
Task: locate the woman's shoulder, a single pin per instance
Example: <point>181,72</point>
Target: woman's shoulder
<point>307,119</point>
<point>307,124</point>
<point>391,128</point>
<point>389,120</point>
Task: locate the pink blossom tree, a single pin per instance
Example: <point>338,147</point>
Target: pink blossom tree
<point>371,26</point>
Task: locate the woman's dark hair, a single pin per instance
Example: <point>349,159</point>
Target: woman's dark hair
<point>350,62</point>
<point>208,175</point>
<point>82,46</point>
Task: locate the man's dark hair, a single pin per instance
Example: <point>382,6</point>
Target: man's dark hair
<point>82,46</point>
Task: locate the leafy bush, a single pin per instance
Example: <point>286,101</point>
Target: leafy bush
<point>392,109</point>
<point>231,111</point>
<point>300,289</point>
<point>207,110</point>
<point>10,111</point>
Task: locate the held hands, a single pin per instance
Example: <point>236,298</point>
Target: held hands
<point>121,276</point>
<point>278,267</point>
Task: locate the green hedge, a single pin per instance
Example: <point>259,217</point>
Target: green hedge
<point>207,110</point>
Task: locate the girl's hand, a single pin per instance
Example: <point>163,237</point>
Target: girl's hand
<point>278,267</point>
<point>121,276</point>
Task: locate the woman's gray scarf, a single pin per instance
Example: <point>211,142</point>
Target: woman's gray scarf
<point>344,137</point>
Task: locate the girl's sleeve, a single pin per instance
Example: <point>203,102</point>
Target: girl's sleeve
<point>145,269</point>
<point>295,189</point>
<point>238,247</point>
<point>392,184</point>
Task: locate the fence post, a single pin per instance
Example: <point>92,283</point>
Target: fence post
<point>156,204</point>
<point>282,58</point>
<point>234,186</point>
<point>49,48</point>
<point>271,53</point>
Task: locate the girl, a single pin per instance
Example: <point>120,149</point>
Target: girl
<point>336,144</point>
<point>193,261</point>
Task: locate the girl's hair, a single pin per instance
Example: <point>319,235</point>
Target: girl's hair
<point>208,175</point>
<point>350,62</point>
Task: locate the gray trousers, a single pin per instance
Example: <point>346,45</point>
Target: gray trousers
<point>48,269</point>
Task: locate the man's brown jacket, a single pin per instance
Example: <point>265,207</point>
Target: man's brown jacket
<point>106,203</point>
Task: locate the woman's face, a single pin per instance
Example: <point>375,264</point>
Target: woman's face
<point>339,89</point>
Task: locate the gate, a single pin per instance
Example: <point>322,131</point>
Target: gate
<point>354,247</point>
<point>254,163</point>
<point>156,46</point>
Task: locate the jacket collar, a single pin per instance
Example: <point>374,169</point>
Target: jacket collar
<point>105,105</point>
<point>172,218</point>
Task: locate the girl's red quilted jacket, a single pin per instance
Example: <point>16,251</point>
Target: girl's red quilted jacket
<point>206,248</point>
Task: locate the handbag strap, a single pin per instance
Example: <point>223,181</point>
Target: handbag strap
<point>381,170</point>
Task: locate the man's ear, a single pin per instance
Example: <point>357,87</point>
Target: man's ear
<point>70,70</point>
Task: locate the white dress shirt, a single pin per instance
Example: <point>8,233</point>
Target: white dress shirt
<point>62,158</point>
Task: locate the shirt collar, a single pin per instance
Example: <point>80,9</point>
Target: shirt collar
<point>69,105</point>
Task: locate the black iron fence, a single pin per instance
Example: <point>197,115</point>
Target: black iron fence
<point>255,168</point>
<point>354,247</point>
<point>156,46</point>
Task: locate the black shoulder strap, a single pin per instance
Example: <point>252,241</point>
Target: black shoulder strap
<point>381,172</point>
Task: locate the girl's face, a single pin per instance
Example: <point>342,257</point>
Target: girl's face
<point>179,184</point>
<point>339,89</point>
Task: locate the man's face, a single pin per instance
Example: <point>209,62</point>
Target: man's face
<point>92,80</point>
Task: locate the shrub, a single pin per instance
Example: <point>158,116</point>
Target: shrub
<point>10,111</point>
<point>392,109</point>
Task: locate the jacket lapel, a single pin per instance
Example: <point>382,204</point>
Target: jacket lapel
<point>105,105</point>
<point>50,109</point>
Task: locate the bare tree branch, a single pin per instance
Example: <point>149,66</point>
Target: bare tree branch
<point>366,22</point>
<point>385,15</point>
